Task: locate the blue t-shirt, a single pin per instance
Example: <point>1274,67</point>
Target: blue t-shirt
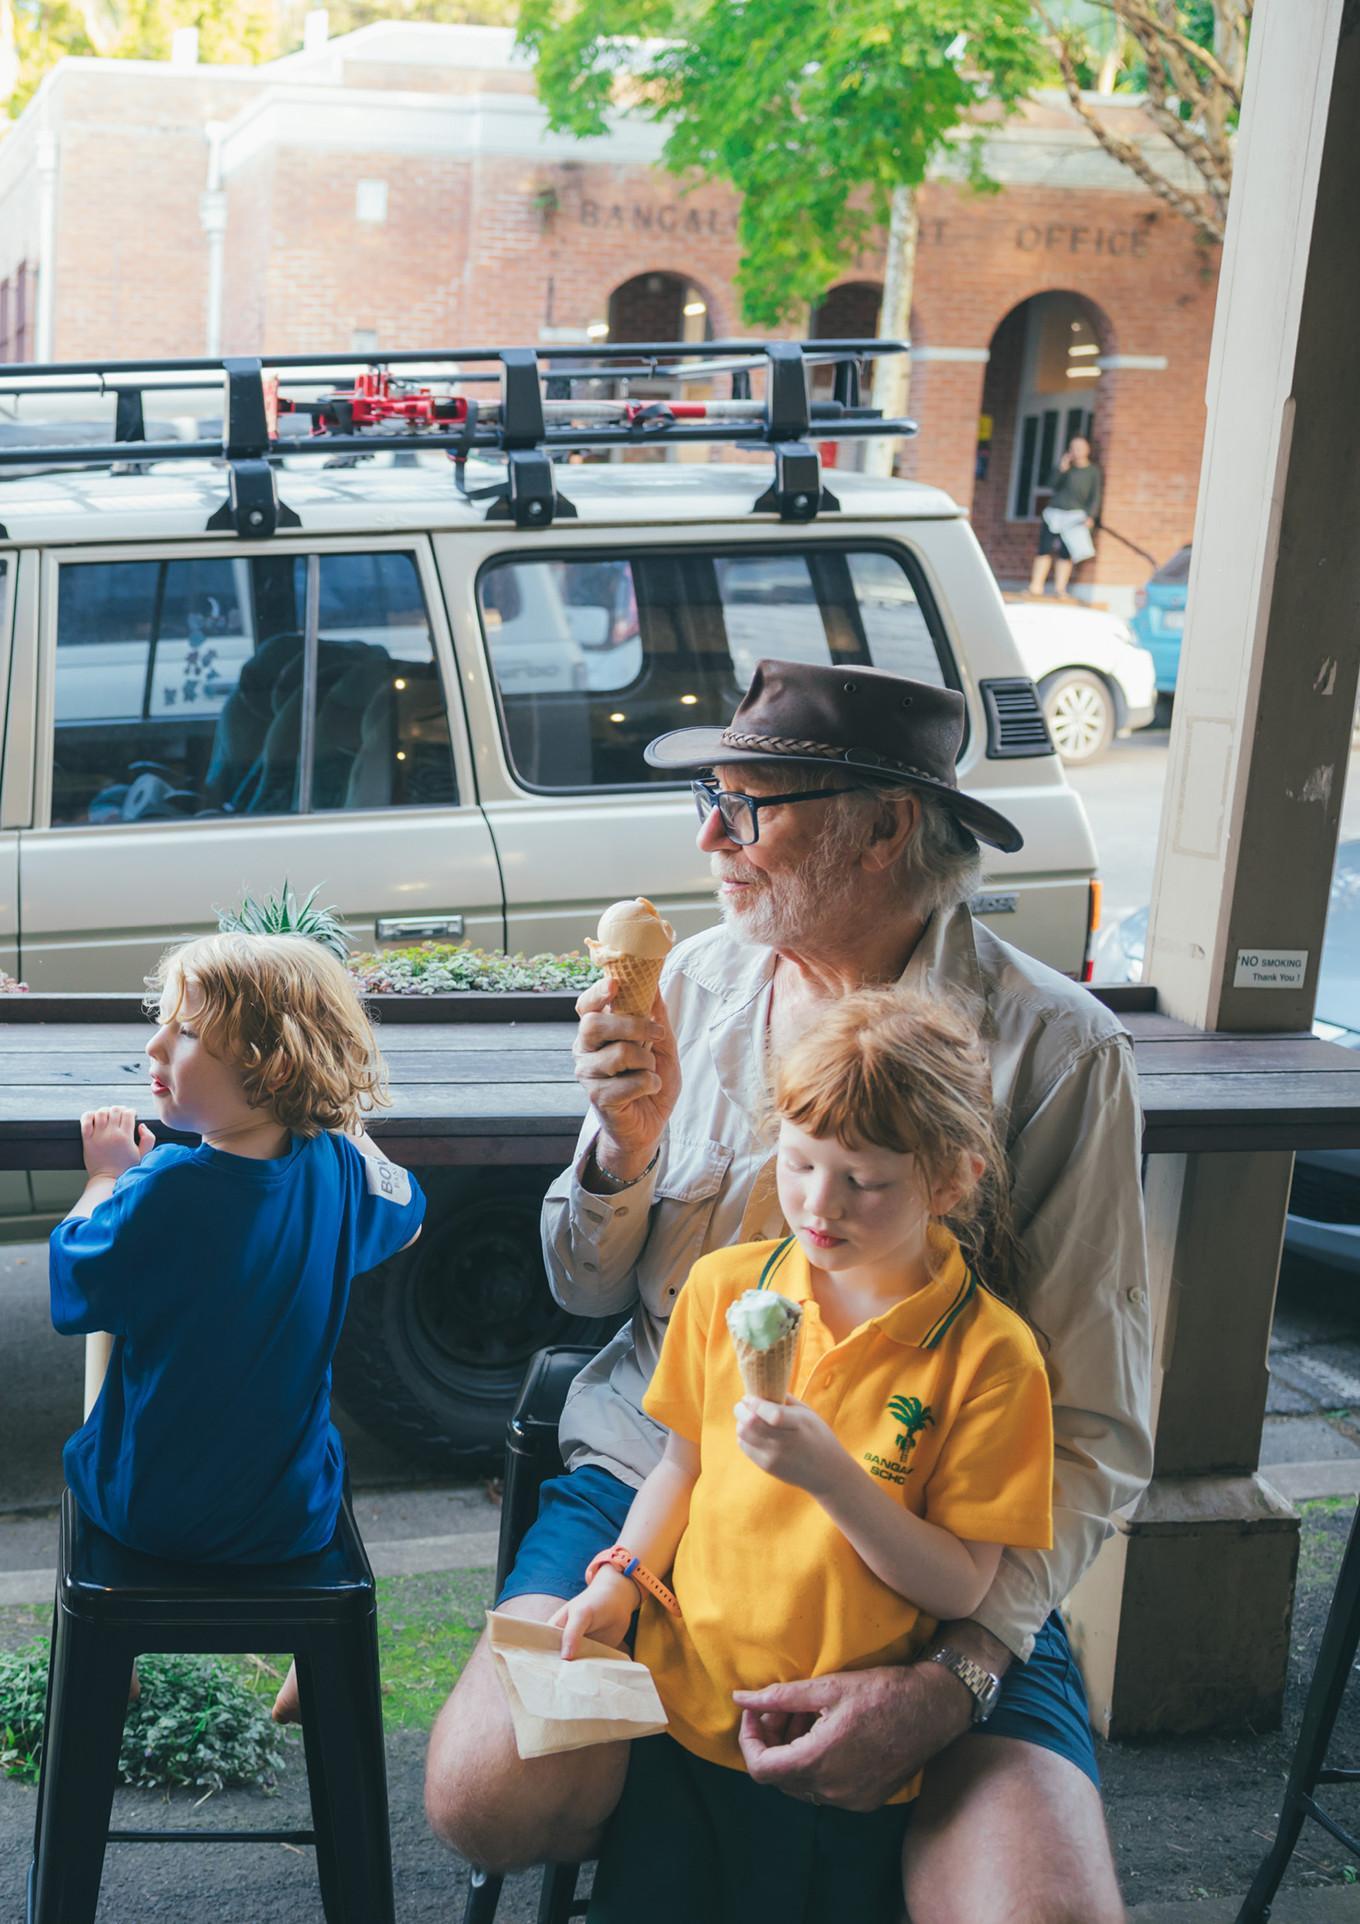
<point>224,1282</point>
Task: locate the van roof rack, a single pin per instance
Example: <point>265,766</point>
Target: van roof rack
<point>538,412</point>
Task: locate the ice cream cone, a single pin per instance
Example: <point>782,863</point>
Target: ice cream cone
<point>635,977</point>
<point>768,1372</point>
<point>631,947</point>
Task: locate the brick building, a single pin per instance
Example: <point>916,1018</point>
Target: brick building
<point>398,187</point>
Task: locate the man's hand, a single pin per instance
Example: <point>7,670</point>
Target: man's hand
<point>112,1141</point>
<point>872,1730</point>
<point>630,1072</point>
<point>791,1442</point>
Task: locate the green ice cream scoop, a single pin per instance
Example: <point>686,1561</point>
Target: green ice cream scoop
<point>761,1318</point>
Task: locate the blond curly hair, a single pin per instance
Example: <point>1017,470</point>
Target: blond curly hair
<point>287,1014</point>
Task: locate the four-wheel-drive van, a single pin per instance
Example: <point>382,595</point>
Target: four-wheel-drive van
<point>437,715</point>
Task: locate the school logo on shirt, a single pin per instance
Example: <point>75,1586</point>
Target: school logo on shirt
<point>911,1416</point>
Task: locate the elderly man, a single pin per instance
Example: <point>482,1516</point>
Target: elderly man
<point>844,854</point>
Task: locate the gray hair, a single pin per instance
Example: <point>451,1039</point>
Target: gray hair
<point>940,866</point>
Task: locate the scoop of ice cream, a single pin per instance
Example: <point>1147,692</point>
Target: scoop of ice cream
<point>635,928</point>
<point>762,1318</point>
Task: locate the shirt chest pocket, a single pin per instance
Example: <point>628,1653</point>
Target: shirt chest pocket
<point>684,1198</point>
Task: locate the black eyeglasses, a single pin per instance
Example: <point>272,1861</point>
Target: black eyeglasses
<point>740,813</point>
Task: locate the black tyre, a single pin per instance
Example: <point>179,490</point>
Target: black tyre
<point>436,1340</point>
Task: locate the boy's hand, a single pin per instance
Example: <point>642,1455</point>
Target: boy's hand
<point>790,1441</point>
<point>113,1141</point>
<point>603,1610</point>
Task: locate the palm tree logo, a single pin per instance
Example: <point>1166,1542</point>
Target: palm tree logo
<point>913,1415</point>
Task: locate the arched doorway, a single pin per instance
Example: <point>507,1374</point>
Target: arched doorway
<point>1042,387</point>
<point>848,312</point>
<point>658,307</point>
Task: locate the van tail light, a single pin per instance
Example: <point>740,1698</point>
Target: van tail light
<point>1094,897</point>
<point>1140,598</point>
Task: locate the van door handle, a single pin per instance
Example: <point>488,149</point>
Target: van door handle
<point>420,928</point>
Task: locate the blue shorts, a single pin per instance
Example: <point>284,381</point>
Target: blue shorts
<point>1043,1701</point>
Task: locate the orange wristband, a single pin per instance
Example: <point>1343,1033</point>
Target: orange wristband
<point>630,1566</point>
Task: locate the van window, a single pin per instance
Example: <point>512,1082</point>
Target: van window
<point>180,688</point>
<point>603,652</point>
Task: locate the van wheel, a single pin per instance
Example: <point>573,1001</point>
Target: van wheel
<point>436,1339</point>
<point>1079,710</point>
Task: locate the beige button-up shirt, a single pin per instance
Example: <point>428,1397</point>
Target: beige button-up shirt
<point>1065,1090</point>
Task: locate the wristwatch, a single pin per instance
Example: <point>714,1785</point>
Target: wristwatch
<point>985,1686</point>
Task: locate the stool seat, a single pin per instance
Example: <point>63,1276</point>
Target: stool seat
<point>112,1605</point>
<point>103,1580</point>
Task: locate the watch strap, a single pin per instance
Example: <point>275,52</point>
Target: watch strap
<point>621,1559</point>
<point>984,1684</point>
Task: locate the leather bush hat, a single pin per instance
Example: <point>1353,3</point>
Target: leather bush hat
<point>858,719</point>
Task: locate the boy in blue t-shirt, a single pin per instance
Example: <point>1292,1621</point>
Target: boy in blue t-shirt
<point>223,1272</point>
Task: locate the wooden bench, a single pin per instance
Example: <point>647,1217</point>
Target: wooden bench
<point>494,1085</point>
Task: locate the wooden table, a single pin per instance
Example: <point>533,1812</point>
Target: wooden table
<point>486,1090</point>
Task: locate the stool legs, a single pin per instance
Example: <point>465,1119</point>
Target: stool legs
<point>1336,1653</point>
<point>557,1893</point>
<point>342,1722</point>
<point>87,1702</point>
<point>327,1861</point>
<point>484,1894</point>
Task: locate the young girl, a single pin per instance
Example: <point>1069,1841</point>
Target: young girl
<point>834,1531</point>
<point>223,1271</point>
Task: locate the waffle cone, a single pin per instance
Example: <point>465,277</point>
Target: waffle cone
<point>635,977</point>
<point>768,1372</point>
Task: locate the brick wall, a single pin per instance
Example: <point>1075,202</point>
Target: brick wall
<point>1152,287</point>
<point>488,249</point>
<point>131,268</point>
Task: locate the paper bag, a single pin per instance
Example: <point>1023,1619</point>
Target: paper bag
<point>1069,524</point>
<point>599,1696</point>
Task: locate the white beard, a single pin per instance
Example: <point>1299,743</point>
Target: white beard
<point>800,909</point>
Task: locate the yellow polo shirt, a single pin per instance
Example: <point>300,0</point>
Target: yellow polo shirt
<point>943,1399</point>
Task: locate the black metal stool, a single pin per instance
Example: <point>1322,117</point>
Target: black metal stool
<point>114,1605</point>
<point>1336,1654</point>
<point>531,1457</point>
